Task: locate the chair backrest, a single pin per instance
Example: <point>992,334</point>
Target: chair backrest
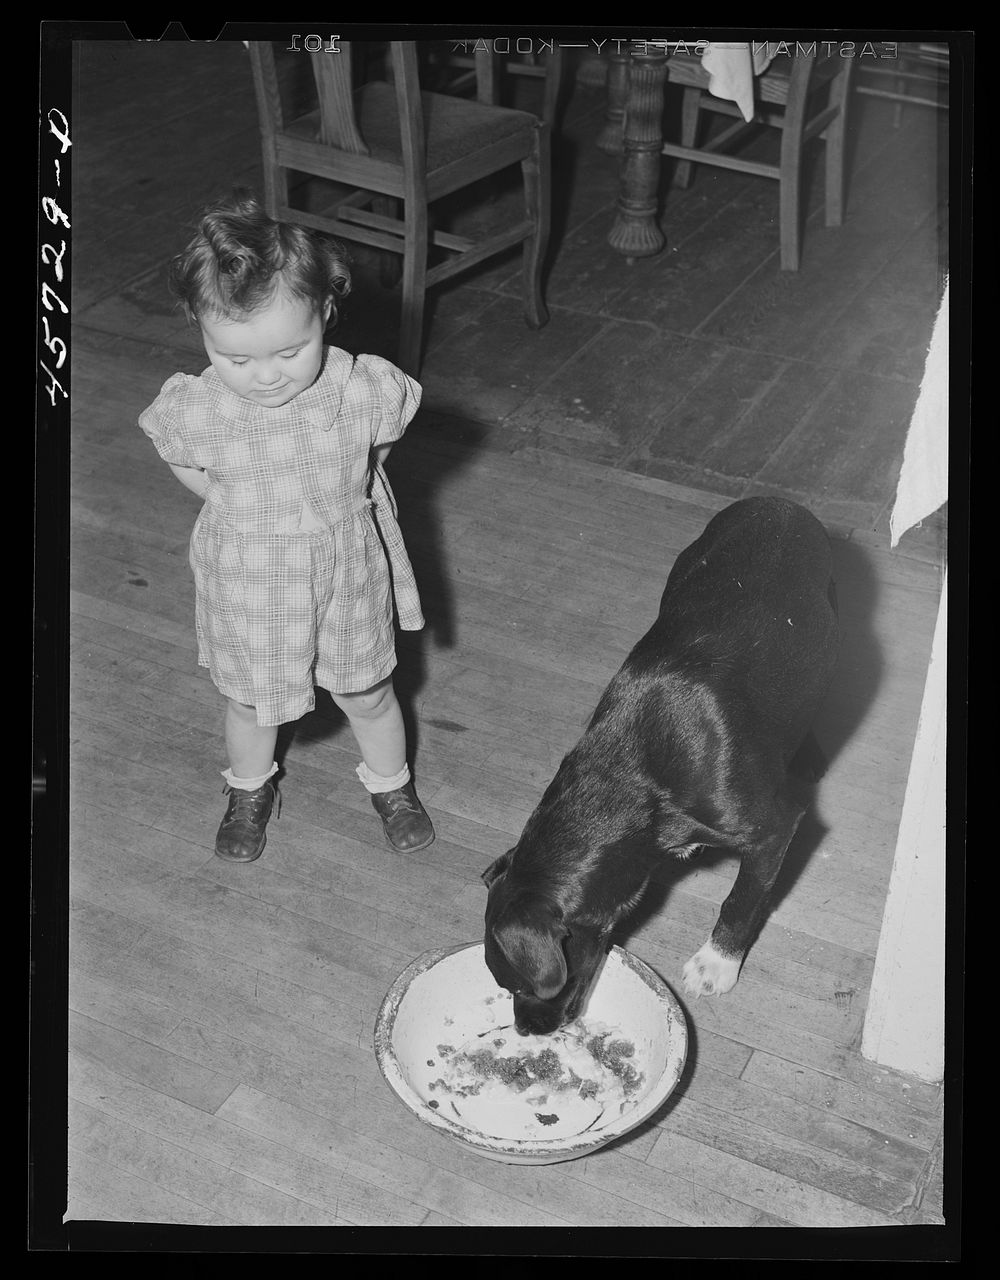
<point>340,126</point>
<point>337,97</point>
<point>334,77</point>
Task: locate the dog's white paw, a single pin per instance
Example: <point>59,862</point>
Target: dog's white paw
<point>709,973</point>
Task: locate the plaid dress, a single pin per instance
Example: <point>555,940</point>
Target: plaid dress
<point>298,557</point>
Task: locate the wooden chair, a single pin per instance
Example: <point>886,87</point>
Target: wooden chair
<point>789,84</point>
<point>920,79</point>
<point>383,143</point>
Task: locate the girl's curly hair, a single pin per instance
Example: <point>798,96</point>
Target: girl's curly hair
<point>239,257</point>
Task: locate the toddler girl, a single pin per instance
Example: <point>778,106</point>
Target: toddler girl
<point>297,556</point>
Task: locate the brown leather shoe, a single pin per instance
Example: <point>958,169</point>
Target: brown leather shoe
<point>404,819</point>
<point>241,836</point>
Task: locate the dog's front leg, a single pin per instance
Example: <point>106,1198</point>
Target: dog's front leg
<point>714,968</point>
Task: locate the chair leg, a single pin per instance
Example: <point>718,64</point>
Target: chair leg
<point>690,110</point>
<point>275,185</point>
<point>790,216</point>
<point>790,165</point>
<point>553,87</point>
<point>411,325</point>
<point>789,195</point>
<point>835,137</point>
<point>389,267</point>
<point>537,178</point>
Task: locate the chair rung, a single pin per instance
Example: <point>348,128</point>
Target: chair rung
<point>708,103</point>
<point>903,97</point>
<point>458,244</point>
<point>366,218</point>
<point>922,76</point>
<point>721,161</point>
<point>463,82</point>
<point>760,116</point>
<point>469,257</point>
<point>819,122</point>
<point>381,232</point>
<point>731,131</point>
<point>381,223</point>
<point>349,228</point>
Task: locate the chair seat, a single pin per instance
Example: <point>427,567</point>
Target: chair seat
<point>454,128</point>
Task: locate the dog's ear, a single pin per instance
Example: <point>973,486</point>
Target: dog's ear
<point>530,933</point>
<point>496,868</point>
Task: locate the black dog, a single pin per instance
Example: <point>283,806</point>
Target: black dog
<point>698,740</point>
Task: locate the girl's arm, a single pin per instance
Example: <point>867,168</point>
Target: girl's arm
<point>192,478</point>
<point>381,452</point>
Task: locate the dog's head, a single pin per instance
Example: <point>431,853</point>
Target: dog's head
<point>546,961</point>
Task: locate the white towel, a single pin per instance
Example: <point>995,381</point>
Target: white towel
<point>731,68</point>
<point>923,478</point>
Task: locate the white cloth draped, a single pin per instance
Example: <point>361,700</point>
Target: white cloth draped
<point>923,477</point>
<point>731,67</point>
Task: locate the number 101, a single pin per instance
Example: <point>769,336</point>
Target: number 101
<point>314,44</point>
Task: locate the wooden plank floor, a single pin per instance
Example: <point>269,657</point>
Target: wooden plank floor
<point>222,1017</point>
<point>221,1070</point>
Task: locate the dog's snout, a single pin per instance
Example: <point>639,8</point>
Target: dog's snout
<point>535,1017</point>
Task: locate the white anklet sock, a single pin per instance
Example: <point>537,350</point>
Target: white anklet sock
<point>249,784</point>
<point>375,785</point>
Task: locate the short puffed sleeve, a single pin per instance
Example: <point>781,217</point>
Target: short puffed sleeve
<point>164,420</point>
<point>399,396</point>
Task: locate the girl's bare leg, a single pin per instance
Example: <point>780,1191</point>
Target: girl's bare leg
<point>376,720</point>
<point>250,746</point>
